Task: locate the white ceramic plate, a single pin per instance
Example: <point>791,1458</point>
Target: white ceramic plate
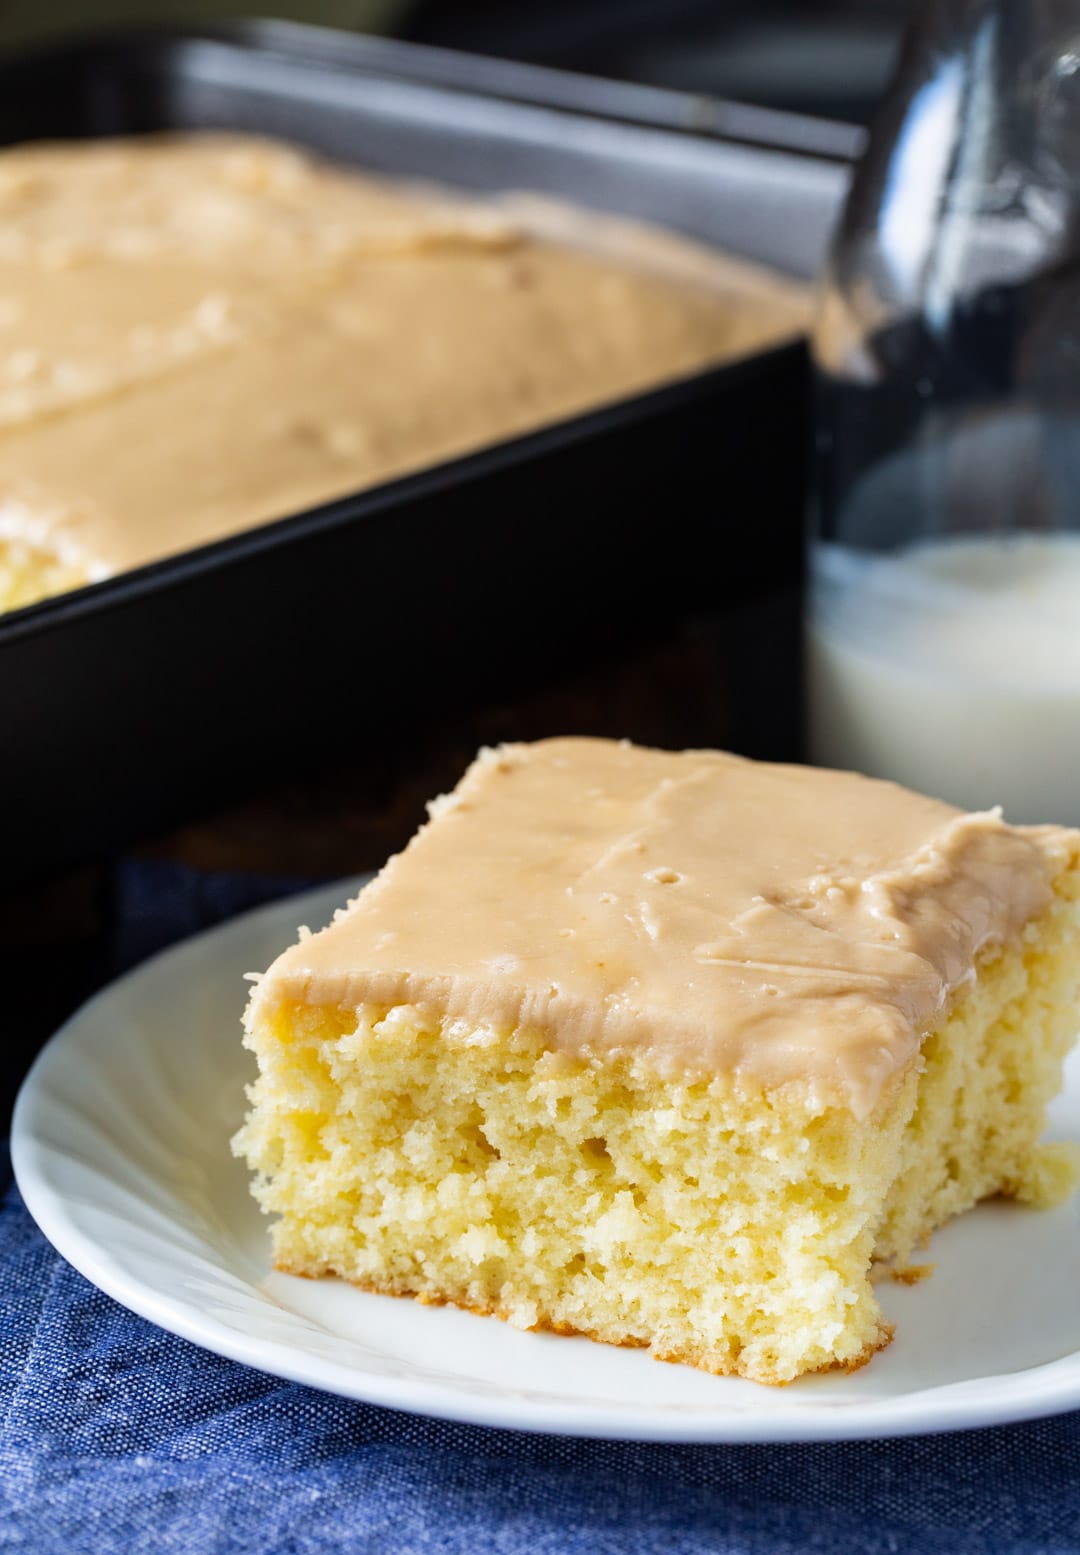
<point>121,1151</point>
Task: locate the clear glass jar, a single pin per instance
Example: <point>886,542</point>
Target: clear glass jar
<point>943,633</point>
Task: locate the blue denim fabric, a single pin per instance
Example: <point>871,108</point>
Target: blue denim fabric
<point>118,1437</point>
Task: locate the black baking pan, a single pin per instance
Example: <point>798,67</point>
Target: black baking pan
<point>145,699</point>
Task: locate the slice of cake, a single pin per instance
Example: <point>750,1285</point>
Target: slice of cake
<point>667,1050</point>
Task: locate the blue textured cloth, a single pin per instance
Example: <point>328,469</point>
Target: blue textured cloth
<point>118,1437</point>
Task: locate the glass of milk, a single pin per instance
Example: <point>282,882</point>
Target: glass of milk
<point>943,628</point>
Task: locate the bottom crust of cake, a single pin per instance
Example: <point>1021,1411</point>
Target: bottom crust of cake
<point>724,1229</point>
<point>700,1360</point>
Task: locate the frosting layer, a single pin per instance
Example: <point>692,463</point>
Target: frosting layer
<point>708,912</point>
<point>198,334</point>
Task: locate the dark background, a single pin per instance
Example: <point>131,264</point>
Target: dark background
<point>828,57</point>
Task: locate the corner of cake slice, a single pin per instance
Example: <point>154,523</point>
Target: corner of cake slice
<point>668,1049</point>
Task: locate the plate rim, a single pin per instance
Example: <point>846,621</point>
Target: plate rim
<point>1035,1392</point>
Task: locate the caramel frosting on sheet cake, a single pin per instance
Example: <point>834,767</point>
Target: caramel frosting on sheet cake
<point>711,913</point>
<point>200,333</point>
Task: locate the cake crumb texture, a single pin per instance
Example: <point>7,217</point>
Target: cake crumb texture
<point>720,1225</point>
<point>30,572</point>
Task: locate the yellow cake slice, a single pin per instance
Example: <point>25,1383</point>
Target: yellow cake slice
<point>668,1049</point>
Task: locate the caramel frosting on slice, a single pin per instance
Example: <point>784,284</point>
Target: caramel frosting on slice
<point>708,913</point>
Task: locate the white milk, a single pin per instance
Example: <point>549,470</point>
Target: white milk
<point>954,668</point>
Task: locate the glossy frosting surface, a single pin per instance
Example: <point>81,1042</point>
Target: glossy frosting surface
<point>709,912</point>
<point>198,334</point>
